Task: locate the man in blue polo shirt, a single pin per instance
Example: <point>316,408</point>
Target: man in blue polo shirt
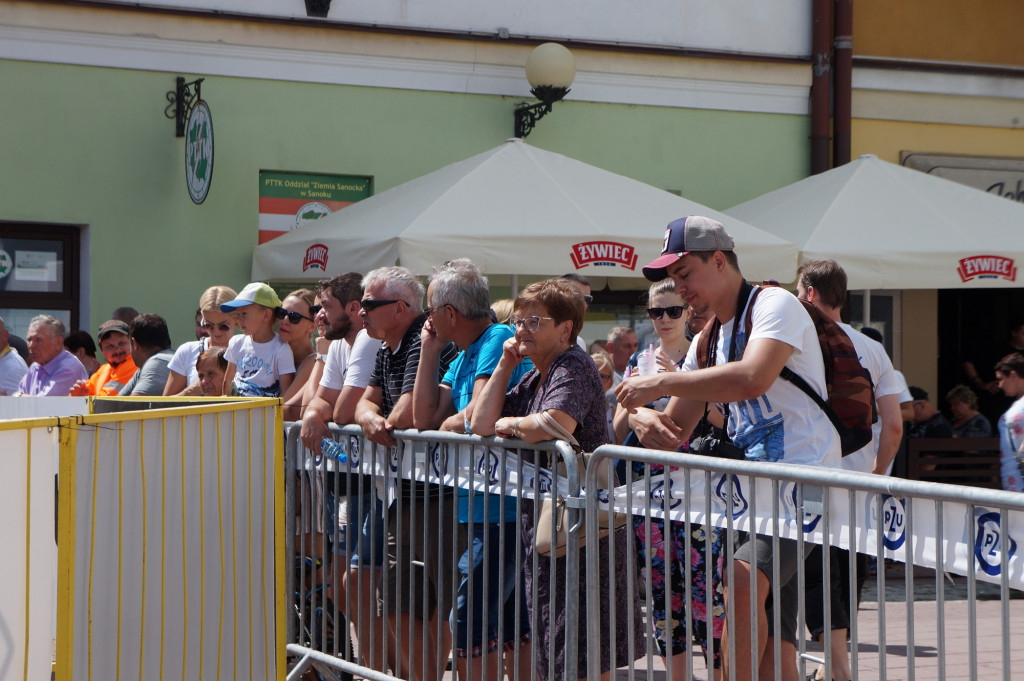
<point>460,312</point>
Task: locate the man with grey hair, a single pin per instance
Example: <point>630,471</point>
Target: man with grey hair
<point>392,312</point>
<point>622,344</point>
<point>54,370</point>
<point>12,366</point>
<point>460,312</point>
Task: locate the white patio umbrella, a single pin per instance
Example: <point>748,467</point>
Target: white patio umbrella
<point>513,210</point>
<point>897,228</point>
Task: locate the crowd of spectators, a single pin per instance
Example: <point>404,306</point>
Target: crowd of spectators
<point>363,349</point>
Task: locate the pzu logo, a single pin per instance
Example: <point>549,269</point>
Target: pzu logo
<point>737,502</point>
<point>353,452</point>
<point>439,460</point>
<point>894,523</point>
<point>789,499</point>
<point>544,481</point>
<point>988,545</point>
<point>660,491</point>
<point>487,466</point>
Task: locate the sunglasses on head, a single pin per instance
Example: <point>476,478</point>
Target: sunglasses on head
<point>370,304</point>
<point>293,317</point>
<point>674,312</point>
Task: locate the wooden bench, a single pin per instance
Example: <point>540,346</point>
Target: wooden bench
<point>972,461</point>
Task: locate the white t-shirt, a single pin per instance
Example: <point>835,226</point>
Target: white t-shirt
<point>259,366</point>
<point>184,360</point>
<point>350,364</point>
<point>783,424</point>
<point>1011,435</point>
<point>872,357</point>
<point>12,369</point>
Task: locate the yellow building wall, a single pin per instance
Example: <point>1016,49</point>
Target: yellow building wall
<point>920,340</point>
<point>886,139</point>
<point>970,31</point>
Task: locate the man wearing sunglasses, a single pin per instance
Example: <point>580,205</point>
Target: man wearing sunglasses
<point>392,312</point>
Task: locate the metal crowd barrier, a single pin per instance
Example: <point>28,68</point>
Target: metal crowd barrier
<point>954,530</point>
<point>28,463</point>
<point>417,482</point>
<point>168,523</point>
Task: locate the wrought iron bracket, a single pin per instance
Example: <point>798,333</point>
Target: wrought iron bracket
<point>527,115</point>
<point>180,102</point>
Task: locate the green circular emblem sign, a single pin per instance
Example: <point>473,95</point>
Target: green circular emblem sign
<point>199,152</point>
<point>5,264</point>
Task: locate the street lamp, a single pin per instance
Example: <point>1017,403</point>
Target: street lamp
<point>550,70</point>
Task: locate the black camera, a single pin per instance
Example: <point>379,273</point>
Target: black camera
<point>709,445</point>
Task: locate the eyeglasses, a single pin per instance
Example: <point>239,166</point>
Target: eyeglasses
<point>314,309</point>
<point>674,312</point>
<point>370,304</point>
<point>531,324</point>
<point>589,299</point>
<point>435,308</point>
<point>293,317</point>
<point>220,327</point>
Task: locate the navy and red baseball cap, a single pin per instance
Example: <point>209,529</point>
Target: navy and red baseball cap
<point>687,235</point>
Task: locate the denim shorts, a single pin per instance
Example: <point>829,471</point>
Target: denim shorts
<point>483,562</point>
<point>362,537</point>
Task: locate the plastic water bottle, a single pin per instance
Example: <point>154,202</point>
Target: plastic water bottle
<point>334,450</point>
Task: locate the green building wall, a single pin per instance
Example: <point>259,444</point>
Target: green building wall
<point>91,146</point>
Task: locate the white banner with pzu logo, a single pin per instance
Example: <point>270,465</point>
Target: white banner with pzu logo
<point>907,529</point>
<point>973,537</point>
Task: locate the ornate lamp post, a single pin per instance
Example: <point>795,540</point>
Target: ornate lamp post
<point>550,70</point>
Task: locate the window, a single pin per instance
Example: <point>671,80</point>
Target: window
<point>39,274</point>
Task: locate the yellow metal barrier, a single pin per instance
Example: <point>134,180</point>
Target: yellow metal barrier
<point>171,543</point>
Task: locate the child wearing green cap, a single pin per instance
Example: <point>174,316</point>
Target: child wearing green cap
<point>260,364</point>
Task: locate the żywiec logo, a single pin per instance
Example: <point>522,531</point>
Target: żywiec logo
<point>987,267</point>
<point>316,256</point>
<point>603,253</point>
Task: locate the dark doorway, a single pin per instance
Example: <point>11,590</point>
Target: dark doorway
<point>975,326</point>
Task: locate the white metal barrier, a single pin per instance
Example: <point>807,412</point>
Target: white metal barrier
<point>965,531</point>
<point>28,456</point>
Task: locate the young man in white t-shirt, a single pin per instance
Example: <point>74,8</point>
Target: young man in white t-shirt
<point>822,283</point>
<point>769,418</point>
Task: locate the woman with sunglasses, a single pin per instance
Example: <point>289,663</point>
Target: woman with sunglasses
<point>183,379</point>
<point>566,385</point>
<point>667,309</point>
<point>295,325</point>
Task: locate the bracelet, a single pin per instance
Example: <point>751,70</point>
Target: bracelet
<point>321,358</point>
<point>515,428</point>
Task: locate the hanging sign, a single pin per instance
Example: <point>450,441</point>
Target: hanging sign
<point>199,152</point>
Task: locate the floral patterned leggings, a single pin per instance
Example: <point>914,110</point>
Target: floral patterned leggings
<point>676,567</point>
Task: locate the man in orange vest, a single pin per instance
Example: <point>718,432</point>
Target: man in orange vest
<point>116,346</point>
